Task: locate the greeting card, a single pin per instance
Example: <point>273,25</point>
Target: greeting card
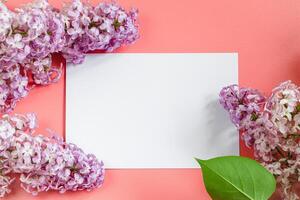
<point>151,110</point>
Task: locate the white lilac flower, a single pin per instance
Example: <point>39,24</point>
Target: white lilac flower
<point>15,41</point>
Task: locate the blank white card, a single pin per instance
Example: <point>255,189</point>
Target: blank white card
<point>151,110</point>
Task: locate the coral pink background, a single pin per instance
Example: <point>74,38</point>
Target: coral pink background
<point>266,34</point>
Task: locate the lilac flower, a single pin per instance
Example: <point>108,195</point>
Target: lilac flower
<point>42,27</point>
<point>43,72</point>
<point>284,106</point>
<point>271,127</point>
<point>15,41</point>
<point>13,87</point>
<point>241,102</point>
<point>43,163</point>
<point>104,27</point>
<point>5,181</point>
<point>64,167</point>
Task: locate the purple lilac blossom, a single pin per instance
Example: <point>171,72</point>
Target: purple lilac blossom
<point>104,27</point>
<point>241,102</point>
<point>43,163</point>
<point>13,87</point>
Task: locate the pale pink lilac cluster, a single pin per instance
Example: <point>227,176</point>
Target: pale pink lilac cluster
<point>104,27</point>
<point>272,129</point>
<point>43,163</point>
<point>31,34</point>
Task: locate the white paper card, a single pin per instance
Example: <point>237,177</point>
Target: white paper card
<point>151,110</point>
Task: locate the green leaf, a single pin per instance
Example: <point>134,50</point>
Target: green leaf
<point>236,178</point>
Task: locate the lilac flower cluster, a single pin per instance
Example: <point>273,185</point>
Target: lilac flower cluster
<point>31,34</point>
<point>104,27</point>
<point>272,129</point>
<point>43,163</point>
<point>241,102</point>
